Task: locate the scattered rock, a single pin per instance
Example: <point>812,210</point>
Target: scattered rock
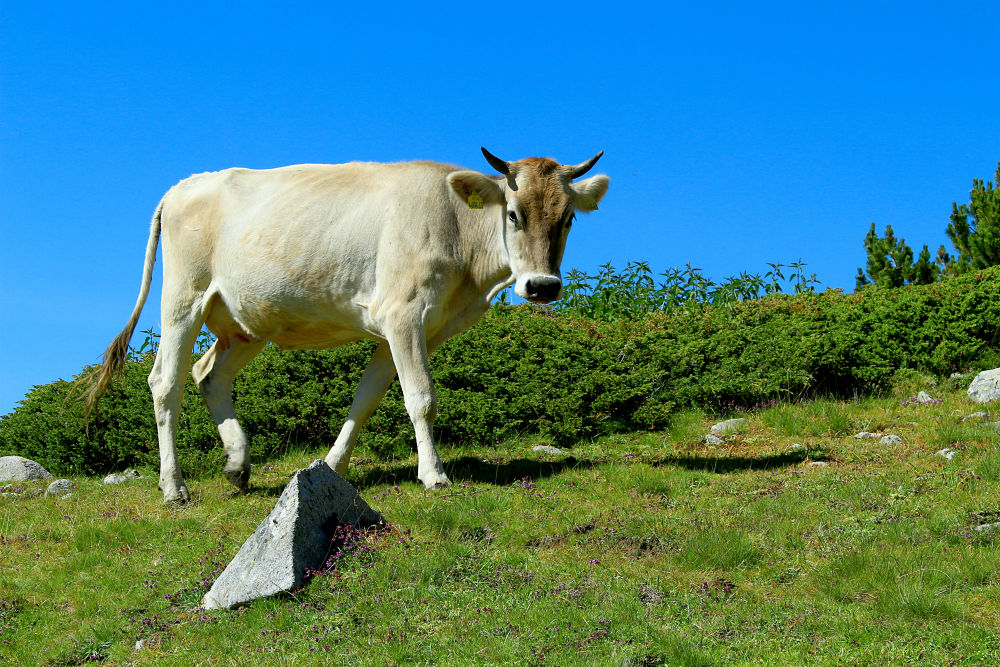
<point>60,487</point>
<point>711,439</point>
<point>294,537</point>
<point>948,453</point>
<point>976,415</point>
<point>651,595</point>
<point>20,469</point>
<point>988,528</point>
<point>957,376</point>
<point>866,434</point>
<point>67,496</point>
<point>728,426</point>
<point>925,399</point>
<point>985,387</point>
<point>796,447</point>
<point>121,477</point>
<point>140,644</point>
<point>547,449</point>
<point>818,464</point>
<point>891,440</point>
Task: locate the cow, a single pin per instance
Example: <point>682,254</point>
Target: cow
<point>314,256</point>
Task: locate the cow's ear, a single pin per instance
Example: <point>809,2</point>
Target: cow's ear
<point>586,194</point>
<point>474,188</point>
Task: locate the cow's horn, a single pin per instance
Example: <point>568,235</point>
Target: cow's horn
<point>497,163</point>
<point>582,168</point>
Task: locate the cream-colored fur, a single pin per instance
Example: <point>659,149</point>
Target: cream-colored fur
<point>314,256</point>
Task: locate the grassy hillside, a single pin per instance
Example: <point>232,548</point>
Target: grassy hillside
<point>635,549</point>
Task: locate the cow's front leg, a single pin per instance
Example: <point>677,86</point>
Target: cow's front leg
<point>409,353</point>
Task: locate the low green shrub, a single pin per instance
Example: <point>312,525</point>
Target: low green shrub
<point>521,370</point>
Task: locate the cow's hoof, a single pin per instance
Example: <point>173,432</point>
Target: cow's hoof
<point>239,477</point>
<point>435,481</point>
<point>178,496</point>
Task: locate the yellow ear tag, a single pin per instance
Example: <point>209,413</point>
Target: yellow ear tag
<point>475,201</point>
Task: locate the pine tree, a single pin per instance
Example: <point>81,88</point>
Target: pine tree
<point>890,262</point>
<point>974,229</point>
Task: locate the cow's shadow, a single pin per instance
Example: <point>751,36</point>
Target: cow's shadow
<point>506,472</point>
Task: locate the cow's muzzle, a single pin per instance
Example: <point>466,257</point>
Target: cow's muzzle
<point>542,289</point>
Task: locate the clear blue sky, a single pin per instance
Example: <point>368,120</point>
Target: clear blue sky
<point>735,134</point>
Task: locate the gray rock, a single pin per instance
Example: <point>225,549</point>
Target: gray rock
<point>547,449</point>
<point>924,398</point>
<point>712,439</point>
<point>957,376</point>
<point>947,453</point>
<point>294,537</point>
<point>976,415</point>
<point>67,496</point>
<point>985,387</point>
<point>728,426</point>
<point>20,469</point>
<point>121,477</point>
<point>818,464</point>
<point>60,487</point>
<point>988,528</point>
<point>796,447</point>
<point>867,434</point>
<point>891,440</point>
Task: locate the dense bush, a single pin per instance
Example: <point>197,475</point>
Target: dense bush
<point>524,371</point>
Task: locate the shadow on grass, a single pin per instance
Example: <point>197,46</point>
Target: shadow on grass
<point>502,473</point>
<point>471,468</point>
<point>728,464</point>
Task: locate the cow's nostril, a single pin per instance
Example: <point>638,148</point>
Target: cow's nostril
<point>543,288</point>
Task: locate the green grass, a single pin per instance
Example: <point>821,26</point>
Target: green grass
<point>634,549</point>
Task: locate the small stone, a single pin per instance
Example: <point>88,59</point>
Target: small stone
<point>121,477</point>
<point>957,376</point>
<point>924,398</point>
<point>293,538</point>
<point>948,453</point>
<point>728,426</point>
<point>891,440</point>
<point>650,595</point>
<point>68,496</point>
<point>867,434</point>
<point>818,464</point>
<point>140,644</point>
<point>712,439</point>
<point>988,528</point>
<point>976,415</point>
<point>985,387</point>
<point>796,447</point>
<point>547,449</point>
<point>20,469</point>
<point>60,487</point>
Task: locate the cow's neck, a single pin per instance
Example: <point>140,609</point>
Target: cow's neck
<point>486,253</point>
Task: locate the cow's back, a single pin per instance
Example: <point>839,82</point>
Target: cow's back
<point>293,252</point>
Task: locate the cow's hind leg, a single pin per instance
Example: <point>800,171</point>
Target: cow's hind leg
<point>374,383</point>
<point>214,374</point>
<point>166,382</point>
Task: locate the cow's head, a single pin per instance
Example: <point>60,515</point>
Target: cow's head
<point>538,202</point>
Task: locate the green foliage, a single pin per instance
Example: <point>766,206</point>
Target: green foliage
<point>974,229</point>
<point>631,293</point>
<point>522,370</point>
<point>890,262</point>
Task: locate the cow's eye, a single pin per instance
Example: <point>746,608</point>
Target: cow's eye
<point>513,218</point>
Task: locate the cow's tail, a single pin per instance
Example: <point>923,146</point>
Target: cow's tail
<point>98,380</point>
